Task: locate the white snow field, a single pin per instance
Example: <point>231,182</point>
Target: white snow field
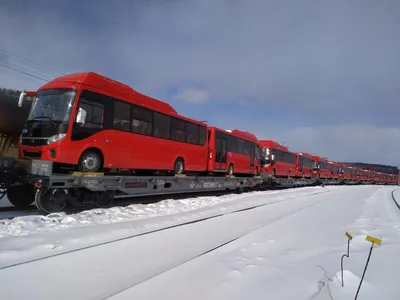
<point>288,247</point>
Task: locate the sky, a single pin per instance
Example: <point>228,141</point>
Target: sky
<point>319,76</point>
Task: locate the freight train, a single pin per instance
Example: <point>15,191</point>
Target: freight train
<point>89,138</point>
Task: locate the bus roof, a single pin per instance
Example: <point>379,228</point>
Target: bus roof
<point>111,87</point>
<point>305,154</point>
<point>237,133</point>
<point>245,135</point>
<point>319,158</point>
<point>272,144</point>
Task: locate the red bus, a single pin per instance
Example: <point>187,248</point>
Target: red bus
<point>369,176</point>
<point>373,177</point>
<point>334,167</point>
<point>344,172</point>
<point>232,152</point>
<point>322,168</point>
<point>94,122</point>
<point>363,175</point>
<point>353,171</point>
<point>277,160</point>
<point>304,165</point>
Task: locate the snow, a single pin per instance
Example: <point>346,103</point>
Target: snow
<point>289,248</point>
<point>26,225</point>
<point>102,225</point>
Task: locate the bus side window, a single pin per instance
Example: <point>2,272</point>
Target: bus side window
<point>162,126</point>
<point>192,133</point>
<point>142,120</point>
<point>94,113</point>
<point>202,135</point>
<point>177,130</point>
<point>122,111</point>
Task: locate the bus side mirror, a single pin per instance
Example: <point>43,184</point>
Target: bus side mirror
<point>21,99</point>
<point>81,116</point>
<point>273,157</point>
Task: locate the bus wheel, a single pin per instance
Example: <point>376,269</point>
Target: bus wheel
<point>90,161</point>
<point>179,166</point>
<point>230,170</point>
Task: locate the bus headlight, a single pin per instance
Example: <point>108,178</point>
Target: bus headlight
<point>55,138</point>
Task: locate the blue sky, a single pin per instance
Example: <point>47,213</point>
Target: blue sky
<point>323,76</point>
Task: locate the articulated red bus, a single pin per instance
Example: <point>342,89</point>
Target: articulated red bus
<point>304,165</point>
<point>91,121</point>
<point>233,152</point>
<point>277,160</point>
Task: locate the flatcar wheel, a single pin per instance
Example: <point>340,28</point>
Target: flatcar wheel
<point>21,196</point>
<point>105,199</point>
<point>50,200</point>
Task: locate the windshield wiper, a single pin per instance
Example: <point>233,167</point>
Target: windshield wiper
<point>44,117</point>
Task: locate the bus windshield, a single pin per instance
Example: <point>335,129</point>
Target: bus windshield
<point>53,105</point>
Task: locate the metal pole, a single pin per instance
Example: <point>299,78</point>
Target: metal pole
<point>345,255</point>
<point>365,269</point>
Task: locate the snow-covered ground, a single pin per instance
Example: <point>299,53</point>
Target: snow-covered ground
<point>288,247</point>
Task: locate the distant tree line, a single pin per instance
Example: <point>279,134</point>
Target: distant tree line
<point>374,167</point>
<point>9,92</point>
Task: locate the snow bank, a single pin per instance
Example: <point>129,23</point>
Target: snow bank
<point>334,290</point>
<point>27,237</point>
<point>27,225</point>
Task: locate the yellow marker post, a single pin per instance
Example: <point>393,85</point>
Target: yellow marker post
<point>349,238</point>
<point>373,241</point>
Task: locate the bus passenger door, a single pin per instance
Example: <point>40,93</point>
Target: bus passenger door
<point>220,153</point>
<point>252,156</point>
<point>301,164</point>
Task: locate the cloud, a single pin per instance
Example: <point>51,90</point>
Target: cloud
<point>194,96</point>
